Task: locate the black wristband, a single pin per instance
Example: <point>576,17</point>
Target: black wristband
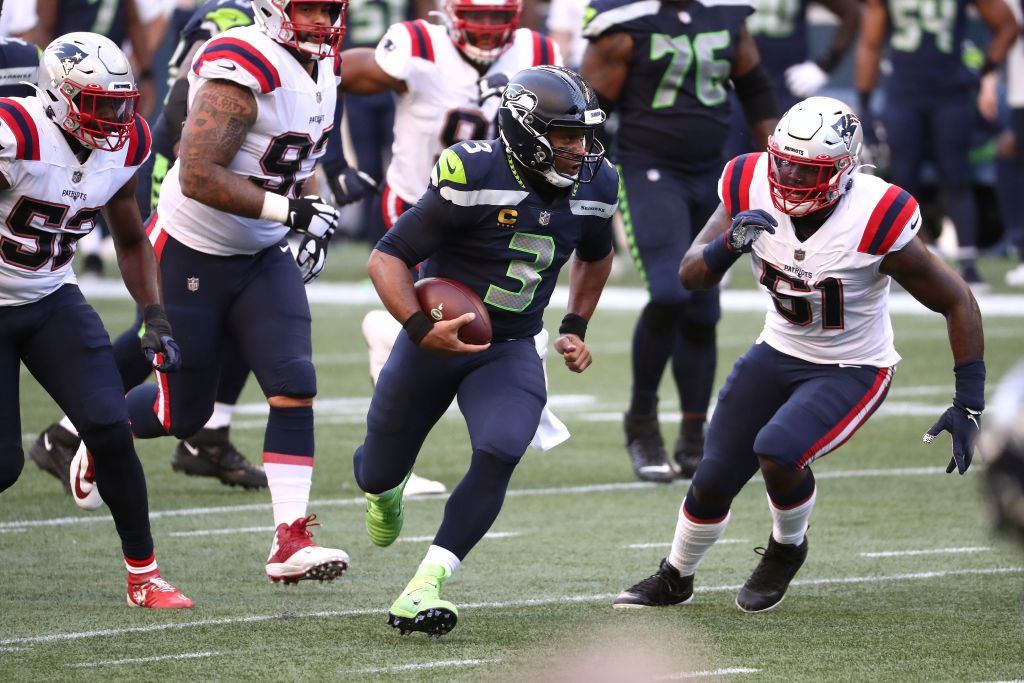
<point>574,324</point>
<point>988,67</point>
<point>418,326</point>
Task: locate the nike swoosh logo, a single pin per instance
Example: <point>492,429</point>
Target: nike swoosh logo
<point>228,66</point>
<point>191,449</point>
<point>844,365</point>
<point>974,420</point>
<point>448,163</point>
<point>46,442</point>
<point>416,601</point>
<point>284,248</point>
<point>914,224</point>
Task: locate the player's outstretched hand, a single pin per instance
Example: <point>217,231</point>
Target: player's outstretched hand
<point>157,340</point>
<point>311,258</point>
<point>574,351</point>
<point>349,185</point>
<point>747,226</point>
<point>312,216</point>
<point>964,426</point>
<point>443,338</point>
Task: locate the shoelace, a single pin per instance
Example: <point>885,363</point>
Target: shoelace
<point>763,572</point>
<point>659,579</point>
<point>302,524</point>
<point>157,583</point>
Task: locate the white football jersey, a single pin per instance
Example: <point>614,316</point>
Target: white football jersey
<point>440,106</point>
<point>829,302</point>
<point>53,200</point>
<point>295,115</point>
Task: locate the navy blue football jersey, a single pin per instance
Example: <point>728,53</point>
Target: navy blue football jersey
<point>926,41</point>
<point>481,224</point>
<point>779,28</point>
<point>675,102</point>
<point>19,61</point>
<point>369,20</point>
<point>105,17</point>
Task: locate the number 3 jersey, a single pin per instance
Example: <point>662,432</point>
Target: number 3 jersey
<point>829,302</point>
<point>53,200</point>
<point>441,106</point>
<point>295,113</point>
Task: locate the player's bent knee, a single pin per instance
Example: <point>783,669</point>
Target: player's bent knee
<point>776,445</point>
<point>295,378</point>
<point>12,461</point>
<point>110,441</point>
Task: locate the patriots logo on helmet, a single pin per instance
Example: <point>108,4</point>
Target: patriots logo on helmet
<point>70,55</point>
<point>845,128</point>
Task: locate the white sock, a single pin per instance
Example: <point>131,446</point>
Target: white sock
<point>442,556</point>
<point>221,416</point>
<point>289,490</point>
<point>790,524</point>
<point>66,424</point>
<point>693,540</point>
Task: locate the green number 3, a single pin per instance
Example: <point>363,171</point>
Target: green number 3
<point>528,272</point>
<point>711,72</point>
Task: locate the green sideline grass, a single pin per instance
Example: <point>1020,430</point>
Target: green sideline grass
<point>535,606</point>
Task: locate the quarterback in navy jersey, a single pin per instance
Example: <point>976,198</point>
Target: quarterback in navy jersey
<point>501,216</point>
<point>668,67</point>
<point>930,96</point>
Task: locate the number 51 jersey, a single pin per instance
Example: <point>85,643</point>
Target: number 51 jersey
<point>829,302</point>
<point>295,113</point>
<point>53,200</point>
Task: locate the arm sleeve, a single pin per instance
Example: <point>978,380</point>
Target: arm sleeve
<point>421,230</point>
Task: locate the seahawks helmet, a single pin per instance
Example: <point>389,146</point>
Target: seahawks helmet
<point>277,19</point>
<point>813,153</point>
<point>87,88</point>
<point>539,99</point>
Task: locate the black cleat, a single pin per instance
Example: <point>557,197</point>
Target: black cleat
<point>767,585</point>
<point>54,450</point>
<point>435,621</point>
<point>646,448</point>
<point>689,449</point>
<point>209,453</point>
<point>664,587</point>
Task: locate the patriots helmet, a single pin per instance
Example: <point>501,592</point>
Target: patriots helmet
<point>277,18</point>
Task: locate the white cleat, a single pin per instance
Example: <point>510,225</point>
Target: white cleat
<point>294,557</point>
<point>421,486</point>
<point>83,481</point>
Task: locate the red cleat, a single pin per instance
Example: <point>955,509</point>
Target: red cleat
<point>294,556</point>
<point>150,590</point>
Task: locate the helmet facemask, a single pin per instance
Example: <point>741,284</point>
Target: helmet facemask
<point>802,186</point>
<point>482,31</point>
<point>282,21</point>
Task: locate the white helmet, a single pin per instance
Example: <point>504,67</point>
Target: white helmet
<point>277,19</point>
<point>87,88</point>
<point>813,152</point>
<point>482,29</point>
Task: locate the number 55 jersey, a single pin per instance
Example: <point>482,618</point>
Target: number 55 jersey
<point>829,302</point>
<point>295,113</point>
<point>53,200</point>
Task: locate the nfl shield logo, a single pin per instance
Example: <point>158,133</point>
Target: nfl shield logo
<point>319,98</point>
<point>76,177</point>
<point>193,284</point>
<point>799,254</point>
<point>545,217</point>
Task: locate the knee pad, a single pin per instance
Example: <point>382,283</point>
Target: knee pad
<point>662,316</point>
<point>12,461</point>
<point>110,441</point>
<point>295,379</point>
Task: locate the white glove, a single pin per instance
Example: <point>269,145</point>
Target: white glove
<point>311,258</point>
<point>805,79</point>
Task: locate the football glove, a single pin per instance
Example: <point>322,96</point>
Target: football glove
<point>964,426</point>
<point>349,185</point>
<point>491,85</point>
<point>747,226</point>
<point>805,79</point>
<point>312,216</point>
<point>157,341</point>
<point>311,258</point>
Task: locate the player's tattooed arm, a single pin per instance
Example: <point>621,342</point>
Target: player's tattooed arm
<point>135,257</point>
<point>606,65</point>
<point>693,270</point>
<point>362,75</point>
<point>218,121</point>
<point>929,280</point>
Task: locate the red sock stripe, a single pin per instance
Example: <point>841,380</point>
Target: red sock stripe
<point>697,520</point>
<point>285,459</point>
<point>140,563</point>
<point>794,505</point>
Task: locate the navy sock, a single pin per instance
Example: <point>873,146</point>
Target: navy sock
<point>290,432</point>
<point>474,504</point>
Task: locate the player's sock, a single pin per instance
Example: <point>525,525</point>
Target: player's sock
<point>652,345</point>
<point>474,504</point>
<point>791,513</point>
<point>288,461</point>
<point>221,416</point>
<point>436,555</point>
<point>694,358</point>
<point>140,564</point>
<point>65,422</point>
<point>148,412</point>
<point>694,536</point>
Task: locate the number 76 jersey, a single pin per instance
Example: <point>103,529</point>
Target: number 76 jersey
<point>829,302</point>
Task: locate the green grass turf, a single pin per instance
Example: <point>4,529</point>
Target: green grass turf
<point>534,606</point>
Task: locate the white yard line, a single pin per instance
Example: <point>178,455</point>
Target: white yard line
<point>143,660</point>
<point>103,518</point>
<point>932,551</point>
<point>682,675</point>
<point>223,532</point>
<point>490,536</point>
<point>724,541</point>
<point>445,664</point>
<point>533,602</point>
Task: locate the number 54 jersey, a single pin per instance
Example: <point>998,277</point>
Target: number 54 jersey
<point>53,200</point>
<point>829,302</point>
<point>295,113</point>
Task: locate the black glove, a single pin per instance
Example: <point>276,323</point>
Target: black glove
<point>349,184</point>
<point>491,85</point>
<point>964,426</point>
<point>312,216</point>
<point>747,226</point>
<point>157,341</point>
<point>311,258</point>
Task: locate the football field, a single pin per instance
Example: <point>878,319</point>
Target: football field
<point>903,582</point>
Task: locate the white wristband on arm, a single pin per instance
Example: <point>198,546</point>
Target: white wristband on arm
<point>275,208</point>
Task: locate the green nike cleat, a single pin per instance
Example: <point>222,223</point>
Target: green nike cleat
<point>420,607</point>
<point>385,515</point>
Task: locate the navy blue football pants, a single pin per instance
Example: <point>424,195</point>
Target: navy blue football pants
<point>62,342</point>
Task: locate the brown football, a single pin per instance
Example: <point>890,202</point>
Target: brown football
<point>444,299</point>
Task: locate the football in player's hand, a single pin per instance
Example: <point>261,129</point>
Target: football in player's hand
<point>444,299</point>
